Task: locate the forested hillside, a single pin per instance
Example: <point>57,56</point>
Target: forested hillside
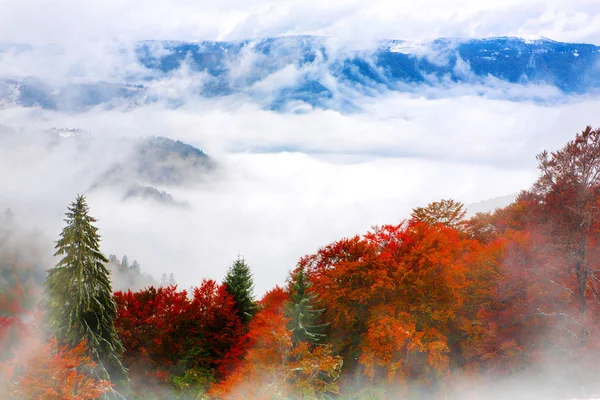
<point>434,305</point>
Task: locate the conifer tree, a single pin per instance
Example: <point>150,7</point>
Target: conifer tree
<point>135,266</point>
<point>78,294</point>
<point>300,309</point>
<point>125,262</point>
<point>240,285</point>
<point>164,280</point>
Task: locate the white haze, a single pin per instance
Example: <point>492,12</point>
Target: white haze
<point>73,22</point>
<point>286,183</point>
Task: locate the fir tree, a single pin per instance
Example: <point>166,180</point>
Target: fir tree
<point>300,309</point>
<point>78,293</point>
<point>125,262</point>
<point>240,285</point>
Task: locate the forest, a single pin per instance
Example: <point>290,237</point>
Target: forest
<point>437,305</point>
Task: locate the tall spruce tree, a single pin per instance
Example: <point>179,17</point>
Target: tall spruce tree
<point>300,309</point>
<point>78,293</point>
<point>240,285</point>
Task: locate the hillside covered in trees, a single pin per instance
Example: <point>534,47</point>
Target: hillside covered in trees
<point>434,306</point>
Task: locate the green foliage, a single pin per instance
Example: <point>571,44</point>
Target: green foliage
<point>303,317</point>
<point>125,262</point>
<point>194,383</point>
<point>240,285</point>
<point>78,293</point>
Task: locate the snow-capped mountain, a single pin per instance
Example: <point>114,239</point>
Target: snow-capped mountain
<point>284,73</point>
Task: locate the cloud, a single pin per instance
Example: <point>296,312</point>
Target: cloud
<point>286,183</point>
<point>86,62</point>
<point>70,22</point>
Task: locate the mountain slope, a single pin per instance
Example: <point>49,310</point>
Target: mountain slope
<point>279,73</point>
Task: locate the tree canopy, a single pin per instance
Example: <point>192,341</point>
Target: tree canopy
<point>240,284</point>
<point>78,294</point>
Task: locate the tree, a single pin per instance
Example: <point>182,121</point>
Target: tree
<point>164,280</point>
<point>222,337</point>
<point>569,190</point>
<point>170,336</point>
<point>276,369</point>
<point>153,325</point>
<point>446,212</point>
<point>78,293</point>
<point>135,266</point>
<point>150,324</point>
<point>125,262</point>
<point>45,371</point>
<point>303,317</point>
<point>240,285</point>
<point>392,298</point>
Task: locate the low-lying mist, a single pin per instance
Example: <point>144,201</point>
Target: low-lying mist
<point>282,184</point>
<point>208,137</point>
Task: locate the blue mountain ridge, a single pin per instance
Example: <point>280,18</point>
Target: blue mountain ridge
<point>284,72</point>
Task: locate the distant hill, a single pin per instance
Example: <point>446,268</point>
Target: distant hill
<point>141,168</point>
<point>322,76</point>
<point>157,161</point>
<point>165,161</point>
<point>490,205</point>
<point>571,67</point>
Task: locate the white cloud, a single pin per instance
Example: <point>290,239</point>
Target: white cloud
<point>288,184</point>
<point>73,22</point>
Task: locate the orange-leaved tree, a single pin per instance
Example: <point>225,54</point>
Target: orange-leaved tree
<point>275,368</point>
<point>45,371</point>
<point>392,297</point>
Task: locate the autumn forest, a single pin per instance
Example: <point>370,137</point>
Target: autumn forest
<point>435,306</point>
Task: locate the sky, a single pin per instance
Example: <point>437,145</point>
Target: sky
<point>288,183</point>
<point>75,22</point>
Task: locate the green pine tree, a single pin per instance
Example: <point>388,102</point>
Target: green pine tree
<point>240,285</point>
<point>78,293</point>
<point>300,309</point>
